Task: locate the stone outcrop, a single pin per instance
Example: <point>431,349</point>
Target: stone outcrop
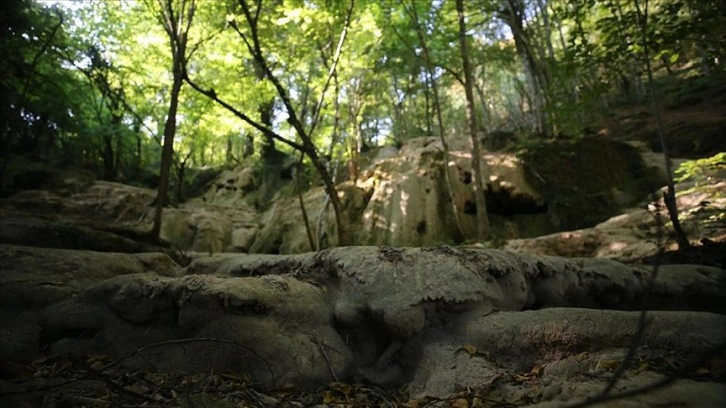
<point>437,318</point>
<point>402,198</point>
<point>637,234</point>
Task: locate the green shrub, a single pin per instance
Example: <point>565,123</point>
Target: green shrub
<point>701,170</point>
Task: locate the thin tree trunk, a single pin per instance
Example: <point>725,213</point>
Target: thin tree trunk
<point>228,154</point>
<point>537,78</point>
<point>481,208</point>
<point>439,121</point>
<point>177,27</point>
<point>322,221</point>
<point>303,211</point>
<point>575,80</point>
<point>429,123</point>
<point>669,197</point>
<point>166,153</point>
<point>543,4</point>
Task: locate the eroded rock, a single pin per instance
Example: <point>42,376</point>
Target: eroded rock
<point>436,318</point>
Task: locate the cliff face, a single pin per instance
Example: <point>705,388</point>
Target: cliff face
<point>400,199</point>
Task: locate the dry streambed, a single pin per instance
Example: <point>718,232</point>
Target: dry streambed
<point>430,322</point>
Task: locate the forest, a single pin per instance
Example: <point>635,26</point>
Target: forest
<point>449,203</point>
<point>143,92</point>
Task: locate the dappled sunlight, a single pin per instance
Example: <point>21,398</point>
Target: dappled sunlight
<point>378,220</point>
<point>499,182</point>
<point>692,200</point>
<point>502,160</point>
<point>460,154</point>
<point>572,235</point>
<point>404,202</point>
<point>617,246</point>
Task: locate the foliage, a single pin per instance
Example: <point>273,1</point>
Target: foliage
<point>88,82</point>
<point>702,170</point>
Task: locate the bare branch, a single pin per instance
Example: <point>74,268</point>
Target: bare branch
<point>333,66</point>
<point>210,93</point>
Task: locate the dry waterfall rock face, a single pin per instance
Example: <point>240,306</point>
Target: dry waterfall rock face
<point>635,234</point>
<point>435,318</point>
<point>75,207</point>
<point>402,198</point>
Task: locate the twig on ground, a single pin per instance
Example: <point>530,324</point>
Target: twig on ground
<point>324,352</point>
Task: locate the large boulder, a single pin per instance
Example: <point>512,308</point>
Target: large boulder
<point>33,279</point>
<point>199,323</point>
<point>410,204</point>
<point>201,227</point>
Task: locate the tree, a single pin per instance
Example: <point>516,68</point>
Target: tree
<point>433,83</point>
<point>32,80</point>
<point>669,197</point>
<point>249,33</point>
<point>176,17</point>
<point>476,168</point>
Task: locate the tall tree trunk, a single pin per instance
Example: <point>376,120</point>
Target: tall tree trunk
<point>439,120</point>
<point>229,153</point>
<point>481,206</point>
<point>543,8</point>
<point>176,24</point>
<point>537,77</point>
<point>166,154</point>
<point>427,110</point>
<point>322,221</point>
<point>575,80</point>
<point>107,157</point>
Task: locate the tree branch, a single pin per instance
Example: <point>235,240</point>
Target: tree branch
<point>264,129</point>
<point>333,66</point>
<point>256,50</point>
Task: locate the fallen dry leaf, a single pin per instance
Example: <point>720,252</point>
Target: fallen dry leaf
<point>469,349</point>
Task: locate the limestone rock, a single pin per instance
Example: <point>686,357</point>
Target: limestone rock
<point>34,278</point>
<point>634,234</point>
<point>241,325</point>
<point>436,318</point>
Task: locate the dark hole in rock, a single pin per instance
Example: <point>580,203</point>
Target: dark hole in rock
<point>421,228</point>
<point>287,173</point>
<point>502,202</point>
<point>469,207</point>
<point>368,339</point>
<point>253,307</point>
